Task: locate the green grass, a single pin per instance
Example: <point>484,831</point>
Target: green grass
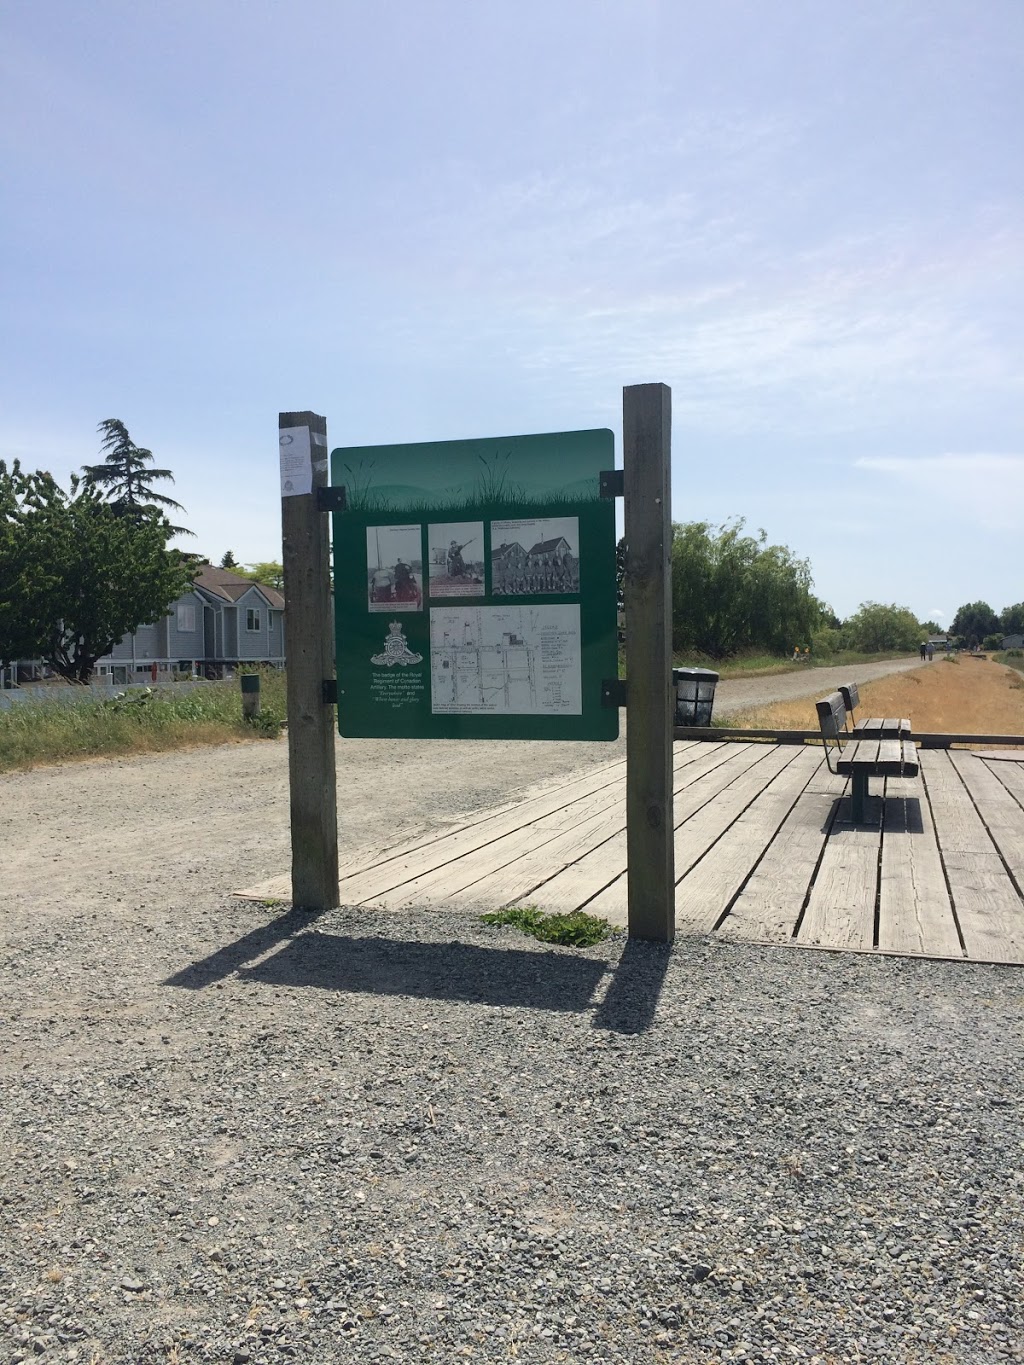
<point>575,930</point>
<point>139,722</point>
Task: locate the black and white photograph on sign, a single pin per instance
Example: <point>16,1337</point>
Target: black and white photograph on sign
<point>456,566</point>
<point>535,556</point>
<point>508,660</point>
<point>394,568</point>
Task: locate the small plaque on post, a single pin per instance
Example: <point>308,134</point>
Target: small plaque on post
<point>296,461</point>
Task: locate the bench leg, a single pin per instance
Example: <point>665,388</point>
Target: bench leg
<point>858,796</point>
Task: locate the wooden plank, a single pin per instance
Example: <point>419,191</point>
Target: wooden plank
<point>769,906</point>
<point>578,884</point>
<point>841,907</point>
<point>699,830</point>
<point>1001,813</point>
<point>445,847</point>
<point>706,889</point>
<point>647,599</point>
<point>1011,775</point>
<point>915,914</point>
<point>986,904</point>
<point>603,814</point>
<point>309,647</point>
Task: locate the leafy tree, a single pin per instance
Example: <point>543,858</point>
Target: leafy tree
<point>269,572</point>
<point>993,641</point>
<point>88,574</point>
<point>126,477</point>
<point>20,623</point>
<point>931,628</point>
<point>228,560</point>
<point>1011,619</point>
<point>974,621</point>
<point>878,629</point>
<point>734,591</point>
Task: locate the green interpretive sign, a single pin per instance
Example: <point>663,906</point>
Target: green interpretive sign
<point>474,589</point>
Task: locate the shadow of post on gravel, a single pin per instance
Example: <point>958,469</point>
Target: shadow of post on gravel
<point>453,971</point>
<point>233,956</point>
<point>458,972</point>
<point>632,997</point>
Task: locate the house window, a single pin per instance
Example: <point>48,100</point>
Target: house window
<point>252,618</point>
<point>186,616</point>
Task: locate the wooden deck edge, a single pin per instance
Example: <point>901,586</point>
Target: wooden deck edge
<point>925,741</point>
<point>959,958</point>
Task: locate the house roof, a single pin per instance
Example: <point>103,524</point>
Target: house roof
<point>229,586</point>
<point>506,548</point>
<point>544,547</point>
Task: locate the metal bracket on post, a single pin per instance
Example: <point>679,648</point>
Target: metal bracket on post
<point>331,499</point>
<point>329,691</point>
<point>613,692</point>
<point>612,483</point>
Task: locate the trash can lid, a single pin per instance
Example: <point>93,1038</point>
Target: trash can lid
<point>696,674</point>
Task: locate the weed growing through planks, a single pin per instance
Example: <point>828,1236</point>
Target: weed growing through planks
<point>575,930</point>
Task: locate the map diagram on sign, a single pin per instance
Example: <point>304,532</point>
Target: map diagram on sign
<point>513,661</point>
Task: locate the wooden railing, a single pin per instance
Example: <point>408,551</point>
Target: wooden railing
<point>933,741</point>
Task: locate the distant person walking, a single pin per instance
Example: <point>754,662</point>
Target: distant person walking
<point>924,651</point>
<point>931,650</point>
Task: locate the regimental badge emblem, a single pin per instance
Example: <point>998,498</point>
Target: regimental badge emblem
<point>396,649</point>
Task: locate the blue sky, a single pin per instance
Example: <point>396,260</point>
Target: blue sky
<point>431,219</point>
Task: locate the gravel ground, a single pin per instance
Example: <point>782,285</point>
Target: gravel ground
<point>235,1135</point>
<point>737,694</point>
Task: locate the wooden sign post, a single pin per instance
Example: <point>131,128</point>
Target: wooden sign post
<point>647,599</point>
<point>309,650</point>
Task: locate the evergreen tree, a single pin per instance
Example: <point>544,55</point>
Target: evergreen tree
<point>126,478</point>
<point>228,561</point>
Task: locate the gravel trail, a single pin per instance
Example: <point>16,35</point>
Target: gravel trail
<point>238,1136</point>
<point>738,694</point>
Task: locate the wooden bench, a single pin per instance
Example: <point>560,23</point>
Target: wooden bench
<point>862,758</point>
<point>877,727</point>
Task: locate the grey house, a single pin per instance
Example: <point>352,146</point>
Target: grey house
<point>224,620</point>
<point>1013,641</point>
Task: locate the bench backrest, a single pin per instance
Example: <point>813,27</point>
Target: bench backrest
<point>850,696</point>
<point>832,720</point>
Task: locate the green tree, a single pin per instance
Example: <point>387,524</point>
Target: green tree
<point>269,572</point>
<point>126,477</point>
<point>88,574</point>
<point>20,622</point>
<point>973,622</point>
<point>1011,619</point>
<point>732,591</point>
<point>931,628</point>
<point>228,560</point>
<point>880,629</point>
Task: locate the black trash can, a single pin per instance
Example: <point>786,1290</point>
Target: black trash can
<point>695,695</point>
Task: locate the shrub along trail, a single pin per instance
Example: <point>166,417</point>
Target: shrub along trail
<point>239,1136</point>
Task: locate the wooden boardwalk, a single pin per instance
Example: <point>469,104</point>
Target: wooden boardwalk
<point>765,852</point>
